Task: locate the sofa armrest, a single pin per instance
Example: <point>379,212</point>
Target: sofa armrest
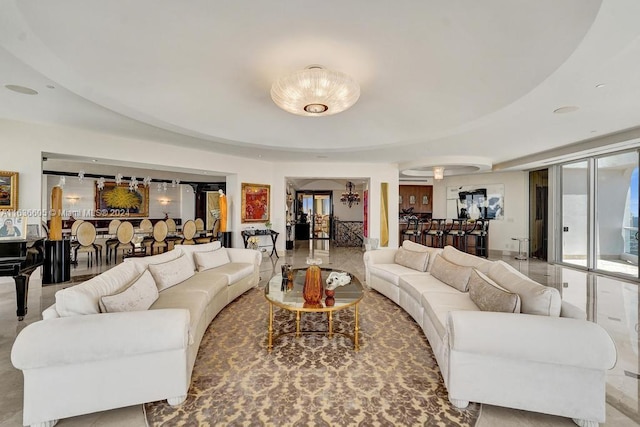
<point>70,340</point>
<point>536,338</point>
<point>245,255</point>
<point>380,256</point>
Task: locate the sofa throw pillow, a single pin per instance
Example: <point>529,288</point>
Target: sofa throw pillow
<point>144,262</point>
<point>416,247</point>
<point>85,297</point>
<point>137,297</point>
<point>412,259</point>
<point>211,259</point>
<point>189,250</point>
<point>489,296</point>
<point>456,276</point>
<point>171,273</point>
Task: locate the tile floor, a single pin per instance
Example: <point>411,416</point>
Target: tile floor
<point>611,302</point>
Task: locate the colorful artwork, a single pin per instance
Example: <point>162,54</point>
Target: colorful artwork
<point>120,201</point>
<point>8,190</point>
<point>255,202</point>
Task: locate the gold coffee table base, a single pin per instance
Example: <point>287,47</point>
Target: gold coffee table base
<point>329,310</point>
<point>291,299</point>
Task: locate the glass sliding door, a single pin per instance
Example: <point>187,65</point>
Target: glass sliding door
<point>616,216</point>
<point>575,213</point>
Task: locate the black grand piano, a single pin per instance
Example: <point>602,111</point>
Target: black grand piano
<point>19,258</point>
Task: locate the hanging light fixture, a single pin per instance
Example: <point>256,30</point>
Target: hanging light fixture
<point>315,91</point>
<point>349,197</point>
<point>438,172</point>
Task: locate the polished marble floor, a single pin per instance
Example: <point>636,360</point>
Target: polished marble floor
<point>611,302</point>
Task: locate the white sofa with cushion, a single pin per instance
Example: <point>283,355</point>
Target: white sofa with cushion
<point>498,337</point>
<point>129,335</point>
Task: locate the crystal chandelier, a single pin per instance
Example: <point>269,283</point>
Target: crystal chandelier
<point>315,91</point>
<point>349,197</point>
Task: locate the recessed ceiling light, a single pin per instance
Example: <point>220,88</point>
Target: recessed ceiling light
<point>94,160</point>
<point>600,85</point>
<point>567,109</point>
<point>51,86</point>
<point>21,89</point>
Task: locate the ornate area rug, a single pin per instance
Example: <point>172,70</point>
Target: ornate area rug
<point>393,380</point>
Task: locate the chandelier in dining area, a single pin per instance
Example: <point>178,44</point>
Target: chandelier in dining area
<point>349,197</point>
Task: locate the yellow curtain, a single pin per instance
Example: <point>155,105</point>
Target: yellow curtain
<point>384,214</point>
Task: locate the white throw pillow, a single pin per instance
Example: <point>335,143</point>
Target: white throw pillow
<point>412,259</point>
<point>171,273</point>
<point>189,250</point>
<point>489,296</point>
<point>137,297</point>
<point>456,276</point>
<point>417,247</point>
<point>211,259</point>
<point>84,298</point>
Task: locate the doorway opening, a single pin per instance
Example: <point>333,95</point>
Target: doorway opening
<point>538,213</point>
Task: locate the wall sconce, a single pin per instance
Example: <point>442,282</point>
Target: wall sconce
<point>164,202</point>
<point>72,199</point>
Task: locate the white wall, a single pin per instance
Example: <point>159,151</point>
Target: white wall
<point>516,205</point>
<point>83,207</point>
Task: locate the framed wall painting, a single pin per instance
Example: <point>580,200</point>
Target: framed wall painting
<point>13,227</point>
<point>119,201</point>
<point>255,202</point>
<point>8,190</point>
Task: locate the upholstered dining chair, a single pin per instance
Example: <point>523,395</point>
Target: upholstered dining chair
<point>125,239</point>
<point>146,230</point>
<point>86,238</point>
<point>209,236</point>
<point>172,233</point>
<point>112,240</point>
<point>188,232</point>
<point>159,235</point>
<point>199,225</point>
<point>74,237</point>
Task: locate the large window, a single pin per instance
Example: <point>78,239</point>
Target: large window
<point>600,213</point>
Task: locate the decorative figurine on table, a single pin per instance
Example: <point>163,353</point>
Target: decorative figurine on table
<point>334,280</point>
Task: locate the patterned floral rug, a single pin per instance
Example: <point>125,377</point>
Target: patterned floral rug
<point>393,380</point>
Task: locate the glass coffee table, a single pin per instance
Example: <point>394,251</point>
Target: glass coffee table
<point>345,296</point>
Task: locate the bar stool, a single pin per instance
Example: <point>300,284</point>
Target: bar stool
<point>413,230</point>
<point>435,233</point>
<point>457,231</point>
<point>479,232</point>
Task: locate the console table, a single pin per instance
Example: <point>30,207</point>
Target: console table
<point>274,237</point>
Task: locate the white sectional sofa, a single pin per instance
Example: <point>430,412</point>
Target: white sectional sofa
<point>498,337</point>
<point>101,346</point>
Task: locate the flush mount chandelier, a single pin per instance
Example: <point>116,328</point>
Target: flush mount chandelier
<point>349,197</point>
<point>315,91</point>
<point>438,173</point>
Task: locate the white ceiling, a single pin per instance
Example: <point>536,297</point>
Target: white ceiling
<point>465,84</point>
